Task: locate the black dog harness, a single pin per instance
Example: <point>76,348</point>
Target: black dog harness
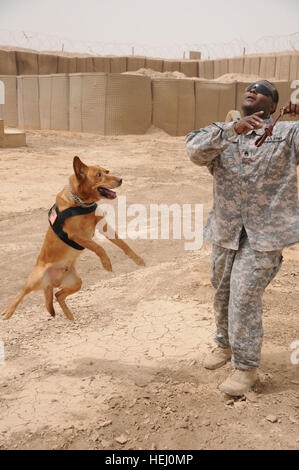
<point>57,218</point>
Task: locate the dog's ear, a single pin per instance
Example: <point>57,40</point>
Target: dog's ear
<point>79,168</point>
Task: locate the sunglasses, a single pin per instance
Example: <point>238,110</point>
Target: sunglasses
<point>262,89</point>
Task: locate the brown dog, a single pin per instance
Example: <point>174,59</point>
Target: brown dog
<point>55,266</point>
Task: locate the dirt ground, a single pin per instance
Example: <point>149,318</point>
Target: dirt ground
<point>127,373</point>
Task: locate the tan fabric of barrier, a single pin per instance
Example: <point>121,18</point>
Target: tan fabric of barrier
<point>189,68</point>
<point>236,65</point>
<point>10,107</point>
<point>45,92</point>
<point>27,63</point>
<point>8,64</point>
<point>252,65</point>
<point>118,64</point>
<point>47,64</point>
<point>267,66</point>
<point>294,67</point>
<point>206,69</point>
<point>173,105</point>
<point>220,67</point>
<point>154,64</point>
<point>101,64</point>
<point>28,102</point>
<point>60,102</point>
<point>66,64</point>
<point>93,104</point>
<point>283,65</point>
<point>135,63</point>
<point>171,65</point>
<point>75,102</point>
<point>213,100</point>
<point>110,104</point>
<point>128,104</point>
<point>85,64</point>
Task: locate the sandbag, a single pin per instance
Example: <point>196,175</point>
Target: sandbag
<point>118,64</point>
<point>189,68</point>
<point>206,69</point>
<point>66,64</point>
<point>220,67</point>
<point>8,64</point>
<point>9,110</point>
<point>27,63</point>
<point>47,64</point>
<point>154,64</point>
<point>28,102</point>
<point>110,104</point>
<point>236,65</point>
<point>267,66</point>
<point>101,64</point>
<point>173,105</point>
<point>171,65</point>
<point>135,63</point>
<point>213,101</point>
<point>252,65</point>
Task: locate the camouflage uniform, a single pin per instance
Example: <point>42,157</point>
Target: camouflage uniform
<point>254,216</point>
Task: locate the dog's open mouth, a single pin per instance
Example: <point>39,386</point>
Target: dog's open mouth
<point>107,193</point>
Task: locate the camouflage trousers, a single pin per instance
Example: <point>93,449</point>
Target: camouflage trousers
<point>240,278</point>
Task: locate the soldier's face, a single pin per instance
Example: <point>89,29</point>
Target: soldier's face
<point>255,101</point>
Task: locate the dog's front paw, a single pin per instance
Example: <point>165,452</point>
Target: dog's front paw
<point>138,260</point>
<point>107,265</point>
<point>7,313</point>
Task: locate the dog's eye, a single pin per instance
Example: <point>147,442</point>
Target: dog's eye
<point>99,175</point>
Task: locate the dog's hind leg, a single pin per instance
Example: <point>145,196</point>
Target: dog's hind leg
<point>33,283</point>
<point>48,292</point>
<point>70,284</point>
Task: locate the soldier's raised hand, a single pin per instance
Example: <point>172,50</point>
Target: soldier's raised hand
<point>248,123</point>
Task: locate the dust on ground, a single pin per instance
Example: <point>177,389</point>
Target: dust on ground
<point>127,374</point>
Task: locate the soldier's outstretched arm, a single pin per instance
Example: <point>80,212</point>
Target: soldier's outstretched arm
<point>204,145</point>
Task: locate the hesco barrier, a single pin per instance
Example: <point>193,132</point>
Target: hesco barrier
<point>117,65</point>
<point>135,63</point>
<point>66,64</point>
<point>9,110</point>
<point>28,101</point>
<point>27,63</point>
<point>267,66</point>
<point>189,68</point>
<point>110,104</point>
<point>54,101</point>
<point>171,65</point>
<point>252,65</point>
<point>206,69</point>
<point>8,63</point>
<point>47,64</point>
<point>213,100</point>
<point>154,64</point>
<point>220,67</point>
<point>173,105</point>
<point>236,65</point>
<point>101,64</point>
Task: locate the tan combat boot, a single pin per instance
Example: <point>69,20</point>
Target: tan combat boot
<point>217,358</point>
<point>239,382</point>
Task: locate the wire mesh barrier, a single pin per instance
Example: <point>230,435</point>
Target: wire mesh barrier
<point>237,47</point>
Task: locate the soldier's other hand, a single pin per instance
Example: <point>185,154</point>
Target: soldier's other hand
<point>248,123</point>
<point>292,109</point>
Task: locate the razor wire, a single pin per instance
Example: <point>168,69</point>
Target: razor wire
<point>236,47</point>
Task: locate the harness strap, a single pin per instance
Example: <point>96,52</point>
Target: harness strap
<point>57,218</point>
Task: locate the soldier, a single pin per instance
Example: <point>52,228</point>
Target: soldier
<point>255,215</point>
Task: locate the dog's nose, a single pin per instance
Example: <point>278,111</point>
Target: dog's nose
<point>120,181</point>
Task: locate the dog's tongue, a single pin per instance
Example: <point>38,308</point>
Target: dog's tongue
<point>107,193</point>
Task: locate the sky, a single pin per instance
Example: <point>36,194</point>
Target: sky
<point>152,21</point>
